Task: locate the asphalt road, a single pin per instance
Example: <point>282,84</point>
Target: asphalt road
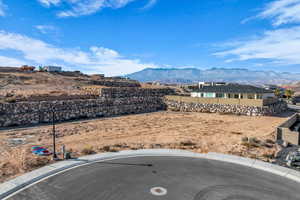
<point>168,178</point>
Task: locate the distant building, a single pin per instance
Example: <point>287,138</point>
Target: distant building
<point>201,84</point>
<point>231,91</point>
<point>53,68</point>
<point>274,88</point>
<point>26,68</point>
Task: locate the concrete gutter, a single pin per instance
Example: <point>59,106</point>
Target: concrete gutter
<point>8,188</point>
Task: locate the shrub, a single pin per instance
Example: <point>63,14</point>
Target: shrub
<point>270,156</point>
<point>9,94</point>
<point>11,100</point>
<point>35,162</point>
<point>106,148</point>
<point>88,150</point>
<point>109,149</point>
<point>254,140</point>
<point>236,133</point>
<point>251,144</point>
<point>270,141</point>
<point>245,139</point>
<point>187,143</point>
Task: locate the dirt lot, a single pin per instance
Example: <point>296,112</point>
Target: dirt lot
<point>199,132</point>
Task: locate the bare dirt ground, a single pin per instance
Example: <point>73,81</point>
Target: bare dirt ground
<point>28,86</point>
<point>199,132</point>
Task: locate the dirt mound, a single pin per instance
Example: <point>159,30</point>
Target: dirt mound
<point>19,86</point>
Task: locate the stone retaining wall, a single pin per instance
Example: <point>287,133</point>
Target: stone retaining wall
<point>116,83</point>
<point>117,101</point>
<point>230,109</point>
<point>111,102</point>
<point>132,92</point>
<point>29,113</point>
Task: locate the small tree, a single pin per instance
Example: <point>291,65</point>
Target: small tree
<point>277,92</point>
<point>289,93</point>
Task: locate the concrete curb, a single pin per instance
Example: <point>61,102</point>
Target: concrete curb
<point>10,187</point>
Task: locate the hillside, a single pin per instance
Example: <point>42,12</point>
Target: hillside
<point>190,75</point>
<point>295,87</point>
<point>43,85</point>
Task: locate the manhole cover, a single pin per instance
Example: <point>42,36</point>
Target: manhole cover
<point>158,191</point>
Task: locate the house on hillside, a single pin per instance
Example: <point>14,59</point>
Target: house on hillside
<point>52,68</point>
<point>211,84</point>
<point>232,91</point>
<point>228,98</point>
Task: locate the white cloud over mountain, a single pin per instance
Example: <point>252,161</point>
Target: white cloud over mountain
<point>279,45</point>
<point>95,60</point>
<point>87,7</point>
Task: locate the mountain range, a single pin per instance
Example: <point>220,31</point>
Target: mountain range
<point>192,75</point>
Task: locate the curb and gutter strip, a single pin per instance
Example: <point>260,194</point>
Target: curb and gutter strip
<point>13,186</point>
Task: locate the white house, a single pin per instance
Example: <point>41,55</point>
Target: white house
<point>235,91</point>
<point>53,68</point>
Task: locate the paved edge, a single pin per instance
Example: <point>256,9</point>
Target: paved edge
<point>10,187</point>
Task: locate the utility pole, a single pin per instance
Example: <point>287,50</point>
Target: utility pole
<point>53,135</point>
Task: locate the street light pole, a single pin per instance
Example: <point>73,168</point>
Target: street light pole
<point>53,135</point>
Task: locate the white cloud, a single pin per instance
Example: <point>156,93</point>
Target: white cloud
<point>80,8</point>
<point>281,46</point>
<point>282,12</point>
<point>3,7</point>
<point>50,2</point>
<point>45,28</point>
<point>87,7</point>
<point>150,4</point>
<point>98,59</point>
<point>10,62</point>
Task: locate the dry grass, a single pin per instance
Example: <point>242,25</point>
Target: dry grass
<point>199,132</point>
<point>18,161</point>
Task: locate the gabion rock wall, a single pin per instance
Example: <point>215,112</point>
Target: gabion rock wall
<point>29,113</point>
<point>230,109</point>
<point>132,92</point>
<point>111,102</point>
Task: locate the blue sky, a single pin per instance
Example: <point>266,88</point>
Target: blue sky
<point>123,36</point>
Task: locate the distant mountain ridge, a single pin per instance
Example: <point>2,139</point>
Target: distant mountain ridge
<point>192,75</point>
